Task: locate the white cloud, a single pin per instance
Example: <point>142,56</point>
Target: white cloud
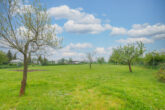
<point>77,20</point>
<point>141,30</point>
<point>73,27</point>
<point>159,36</point>
<point>79,45</point>
<point>100,50</point>
<point>146,30</point>
<point>70,51</point>
<point>71,54</point>
<point>133,40</point>
<point>76,15</point>
<point>118,31</point>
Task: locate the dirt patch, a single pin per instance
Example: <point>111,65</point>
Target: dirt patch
<point>32,70</point>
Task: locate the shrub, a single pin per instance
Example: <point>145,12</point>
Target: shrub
<point>161,73</point>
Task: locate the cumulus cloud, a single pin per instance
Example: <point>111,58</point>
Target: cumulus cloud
<point>118,31</point>
<point>71,54</point>
<point>159,36</point>
<point>73,27</point>
<point>79,45</point>
<point>141,30</point>
<point>133,40</point>
<point>76,15</point>
<point>100,50</point>
<point>70,51</point>
<point>77,20</point>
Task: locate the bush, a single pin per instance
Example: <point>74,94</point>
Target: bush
<point>161,73</point>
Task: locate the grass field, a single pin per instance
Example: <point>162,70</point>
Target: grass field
<point>76,87</point>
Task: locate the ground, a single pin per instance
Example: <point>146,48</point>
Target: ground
<point>76,87</point>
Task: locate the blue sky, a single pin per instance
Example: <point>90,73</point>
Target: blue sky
<point>100,25</point>
<point>128,20</point>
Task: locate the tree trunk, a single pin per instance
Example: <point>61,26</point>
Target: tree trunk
<point>130,69</point>
<point>23,82</point>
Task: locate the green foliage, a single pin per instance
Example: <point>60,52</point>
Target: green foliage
<point>42,61</point>
<point>100,60</point>
<point>127,54</point>
<point>161,72</point>
<point>3,57</point>
<point>116,58</point>
<point>75,87</point>
<point>61,61</point>
<point>154,58</point>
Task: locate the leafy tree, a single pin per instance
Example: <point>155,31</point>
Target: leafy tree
<point>26,30</point>
<point>130,52</point>
<point>3,57</point>
<point>154,58</point>
<point>116,56</point>
<point>61,61</point>
<point>100,60</point>
<point>9,55</point>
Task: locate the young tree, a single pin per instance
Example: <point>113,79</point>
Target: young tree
<point>100,60</point>
<point>116,56</point>
<point>3,57</point>
<point>90,59</point>
<point>130,52</point>
<point>9,55</point>
<point>27,29</point>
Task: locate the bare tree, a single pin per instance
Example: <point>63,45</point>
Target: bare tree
<point>90,59</point>
<point>27,29</point>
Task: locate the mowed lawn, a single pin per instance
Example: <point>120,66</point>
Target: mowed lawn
<point>76,87</point>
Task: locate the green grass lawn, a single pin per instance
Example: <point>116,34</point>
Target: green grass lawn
<point>76,87</point>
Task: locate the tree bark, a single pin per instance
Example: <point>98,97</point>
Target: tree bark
<point>130,69</point>
<point>23,82</point>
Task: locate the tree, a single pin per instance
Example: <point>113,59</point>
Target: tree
<point>90,59</point>
<point>116,56</point>
<point>3,57</point>
<point>154,58</point>
<point>100,60</point>
<point>26,29</point>
<point>61,61</point>
<point>130,52</point>
<point>9,55</point>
